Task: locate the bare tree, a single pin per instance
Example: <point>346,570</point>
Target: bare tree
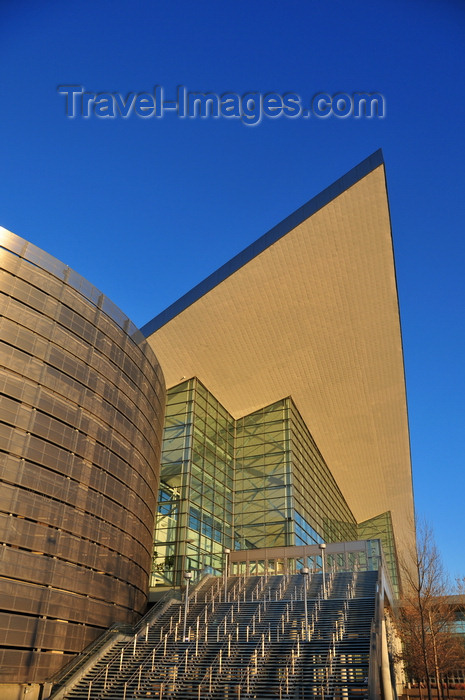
<point>431,649</point>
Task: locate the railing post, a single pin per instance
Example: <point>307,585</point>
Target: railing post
<point>225,573</point>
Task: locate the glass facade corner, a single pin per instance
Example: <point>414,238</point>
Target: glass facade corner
<point>321,511</point>
<point>195,508</point>
<point>252,483</point>
<point>380,527</point>
<point>263,494</point>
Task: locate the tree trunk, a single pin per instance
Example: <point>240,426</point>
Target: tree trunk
<point>424,653</point>
<point>435,656</point>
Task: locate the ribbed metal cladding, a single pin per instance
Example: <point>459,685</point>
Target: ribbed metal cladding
<point>82,402</point>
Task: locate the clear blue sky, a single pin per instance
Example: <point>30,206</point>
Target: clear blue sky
<point>146,208</point>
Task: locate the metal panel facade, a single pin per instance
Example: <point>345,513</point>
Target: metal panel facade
<point>82,400</point>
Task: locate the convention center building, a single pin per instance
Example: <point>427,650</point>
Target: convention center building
<point>264,409</point>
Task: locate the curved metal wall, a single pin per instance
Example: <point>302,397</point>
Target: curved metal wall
<point>82,401</point>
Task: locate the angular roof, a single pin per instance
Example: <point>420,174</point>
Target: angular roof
<point>310,310</point>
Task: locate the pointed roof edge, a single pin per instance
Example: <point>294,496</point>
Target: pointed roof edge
<point>265,241</point>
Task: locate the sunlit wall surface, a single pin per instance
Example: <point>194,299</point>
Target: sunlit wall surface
<point>194,522</point>
<point>82,400</point>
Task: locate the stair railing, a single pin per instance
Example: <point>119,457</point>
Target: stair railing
<point>130,648</point>
<point>263,648</point>
<point>191,651</point>
<point>148,621</point>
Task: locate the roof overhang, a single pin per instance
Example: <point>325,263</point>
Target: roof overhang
<point>310,310</point>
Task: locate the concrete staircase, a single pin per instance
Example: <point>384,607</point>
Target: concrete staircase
<point>256,644</point>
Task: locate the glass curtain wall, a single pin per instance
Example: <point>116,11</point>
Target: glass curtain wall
<point>285,494</point>
<point>320,513</point>
<point>195,507</point>
<point>380,527</point>
<point>263,507</point>
<point>267,465</point>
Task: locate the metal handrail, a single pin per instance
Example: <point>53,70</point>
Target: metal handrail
<point>142,627</point>
<point>150,656</point>
<point>86,653</point>
<point>336,637</point>
<point>166,668</point>
<point>217,663</point>
<point>68,671</point>
<point>136,631</point>
<point>375,642</point>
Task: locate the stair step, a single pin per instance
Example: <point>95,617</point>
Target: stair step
<point>252,648</point>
